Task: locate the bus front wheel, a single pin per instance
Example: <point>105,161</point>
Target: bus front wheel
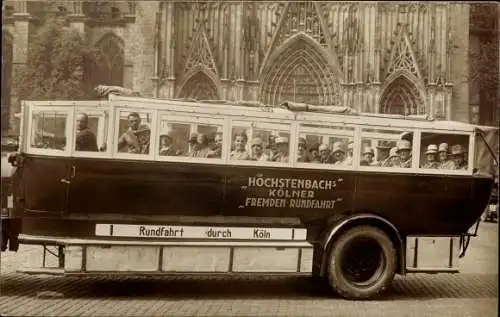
<point>362,262</point>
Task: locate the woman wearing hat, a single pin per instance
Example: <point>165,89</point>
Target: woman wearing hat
<point>444,162</point>
<point>393,159</point>
<point>302,151</point>
<point>338,154</point>
<point>257,150</point>
<point>457,155</point>
<point>282,149</point>
<point>430,156</point>
<point>368,155</point>
<point>404,152</point>
<point>166,144</point>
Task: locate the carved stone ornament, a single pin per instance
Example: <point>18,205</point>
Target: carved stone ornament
<point>200,54</point>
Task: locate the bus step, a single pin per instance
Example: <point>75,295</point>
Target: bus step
<point>41,270</point>
<point>431,270</point>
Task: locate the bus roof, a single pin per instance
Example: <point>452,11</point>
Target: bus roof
<point>305,112</point>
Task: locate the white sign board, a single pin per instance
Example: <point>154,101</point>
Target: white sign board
<point>200,232</point>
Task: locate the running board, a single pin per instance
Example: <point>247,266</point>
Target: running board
<point>430,270</point>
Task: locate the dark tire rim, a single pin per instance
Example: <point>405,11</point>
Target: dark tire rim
<point>362,261</point>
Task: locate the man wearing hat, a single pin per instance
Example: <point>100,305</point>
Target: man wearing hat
<point>430,156</point>
<point>404,152</point>
<point>457,155</point>
<point>136,138</point>
<point>258,150</point>
<point>383,148</point>
<point>200,148</point>
<point>444,162</point>
<point>324,154</point>
<point>368,155</point>
<point>302,151</point>
<point>314,153</point>
<point>282,149</point>
<point>393,159</point>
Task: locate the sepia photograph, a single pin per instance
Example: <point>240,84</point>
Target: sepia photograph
<point>249,158</point>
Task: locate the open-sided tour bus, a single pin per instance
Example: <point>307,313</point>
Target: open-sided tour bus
<point>132,185</point>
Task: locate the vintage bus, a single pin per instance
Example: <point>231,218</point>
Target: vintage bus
<point>141,186</point>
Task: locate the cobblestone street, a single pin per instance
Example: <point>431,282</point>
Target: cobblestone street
<point>473,292</point>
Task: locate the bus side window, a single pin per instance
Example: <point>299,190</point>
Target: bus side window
<point>386,148</point>
<point>134,132</point>
<point>325,144</point>
<point>91,131</point>
<point>48,130</point>
<point>260,141</point>
<point>444,151</point>
<point>173,138</point>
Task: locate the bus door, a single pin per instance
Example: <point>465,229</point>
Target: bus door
<point>47,168</point>
<point>90,159</point>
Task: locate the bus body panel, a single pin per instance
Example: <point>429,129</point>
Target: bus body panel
<point>142,190</point>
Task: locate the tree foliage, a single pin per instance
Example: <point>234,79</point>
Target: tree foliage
<point>55,64</point>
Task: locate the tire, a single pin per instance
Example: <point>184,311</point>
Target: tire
<point>345,261</point>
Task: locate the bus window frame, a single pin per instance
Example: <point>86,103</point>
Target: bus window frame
<point>400,170</point>
<point>108,119</point>
<point>470,154</point>
<point>265,122</point>
<point>116,133</point>
<point>190,120</point>
<point>69,126</point>
<point>329,133</point>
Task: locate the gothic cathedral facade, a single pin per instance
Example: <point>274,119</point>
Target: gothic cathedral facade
<point>383,57</point>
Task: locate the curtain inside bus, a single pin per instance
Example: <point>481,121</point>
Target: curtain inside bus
<point>487,151</point>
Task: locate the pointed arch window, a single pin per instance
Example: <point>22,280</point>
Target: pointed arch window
<point>200,87</point>
<point>401,97</point>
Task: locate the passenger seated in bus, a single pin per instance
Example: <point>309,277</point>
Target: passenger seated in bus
<point>367,157</point>
<point>136,138</point>
<point>444,161</point>
<point>85,139</point>
<point>314,154</point>
<point>383,148</point>
<point>324,154</point>
<point>404,152</point>
<point>338,154</point>
<point>430,156</point>
<point>258,150</point>
<point>457,155</point>
<point>216,151</point>
<point>281,150</point>
<point>200,148</point>
<point>240,143</point>
<point>166,145</point>
<point>350,150</point>
<point>393,159</point>
<point>302,155</point>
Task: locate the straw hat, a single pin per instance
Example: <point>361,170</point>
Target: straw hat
<point>337,147</point>
<point>443,147</point>
<point>431,149</point>
<point>256,141</point>
<point>457,149</point>
<point>403,145</point>
<point>393,152</point>
<point>323,147</point>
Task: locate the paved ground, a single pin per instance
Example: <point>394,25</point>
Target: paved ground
<point>473,292</point>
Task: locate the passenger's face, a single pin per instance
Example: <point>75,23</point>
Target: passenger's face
<point>431,157</point>
<point>323,153</point>
<point>257,150</point>
<point>404,154</point>
<point>368,157</point>
<point>134,122</point>
<point>383,154</point>
<point>239,143</point>
<point>339,156</point>
<point>166,141</point>
<point>458,159</point>
<point>443,156</point>
<point>81,121</point>
<point>218,140</point>
<point>301,149</point>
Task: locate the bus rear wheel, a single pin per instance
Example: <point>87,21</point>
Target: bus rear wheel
<point>362,263</point>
